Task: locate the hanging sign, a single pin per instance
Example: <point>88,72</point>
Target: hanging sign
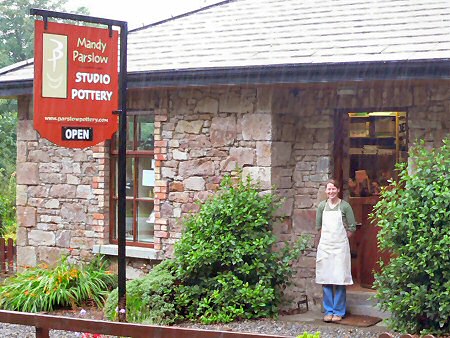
<point>75,84</point>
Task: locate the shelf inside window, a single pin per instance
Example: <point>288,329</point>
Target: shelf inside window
<point>378,151</point>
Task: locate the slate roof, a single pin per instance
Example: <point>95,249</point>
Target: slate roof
<point>261,41</point>
<point>269,32</point>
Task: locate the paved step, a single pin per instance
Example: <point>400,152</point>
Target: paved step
<point>361,303</point>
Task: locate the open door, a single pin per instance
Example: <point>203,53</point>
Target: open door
<point>365,154</point>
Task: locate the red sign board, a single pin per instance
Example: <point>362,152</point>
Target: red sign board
<point>75,84</point>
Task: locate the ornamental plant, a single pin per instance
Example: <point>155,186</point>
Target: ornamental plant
<point>149,299</point>
<point>8,223</point>
<point>414,217</point>
<point>226,263</point>
<point>224,267</point>
<point>43,288</point>
<point>8,125</point>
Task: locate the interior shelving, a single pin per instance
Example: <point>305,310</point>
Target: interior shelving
<point>377,141</point>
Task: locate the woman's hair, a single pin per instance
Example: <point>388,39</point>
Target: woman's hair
<point>334,182</point>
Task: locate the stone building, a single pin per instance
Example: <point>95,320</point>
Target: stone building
<point>275,87</point>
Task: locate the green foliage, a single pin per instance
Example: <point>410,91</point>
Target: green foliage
<point>8,122</point>
<point>149,299</point>
<point>7,105</point>
<point>43,289</point>
<point>309,335</point>
<point>224,267</point>
<point>227,267</point>
<point>8,222</point>
<point>414,216</point>
<point>8,125</point>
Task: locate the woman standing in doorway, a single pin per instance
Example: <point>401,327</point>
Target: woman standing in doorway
<point>335,222</point>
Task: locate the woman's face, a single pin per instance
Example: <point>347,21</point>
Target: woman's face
<point>331,191</point>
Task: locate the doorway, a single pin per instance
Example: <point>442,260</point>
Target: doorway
<point>367,147</point>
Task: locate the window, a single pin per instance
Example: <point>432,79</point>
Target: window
<point>140,180</point>
<point>378,140</point>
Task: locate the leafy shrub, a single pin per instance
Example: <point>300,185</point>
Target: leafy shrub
<point>224,266</point>
<point>8,223</point>
<point>8,135</point>
<point>414,216</point>
<point>149,299</point>
<point>227,268</point>
<point>8,125</point>
<point>43,289</point>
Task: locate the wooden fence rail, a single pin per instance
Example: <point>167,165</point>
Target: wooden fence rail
<point>45,323</point>
<point>7,256</point>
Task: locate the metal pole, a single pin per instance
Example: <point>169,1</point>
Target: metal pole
<point>122,175</point>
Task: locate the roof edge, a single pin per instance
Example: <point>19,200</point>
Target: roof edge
<point>16,66</point>
<point>294,74</point>
<point>274,74</point>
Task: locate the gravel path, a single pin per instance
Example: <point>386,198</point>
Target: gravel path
<point>265,326</point>
<point>293,329</point>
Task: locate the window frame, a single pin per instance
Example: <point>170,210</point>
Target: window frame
<point>137,155</point>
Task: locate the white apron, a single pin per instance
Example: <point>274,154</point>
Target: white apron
<point>333,260</point>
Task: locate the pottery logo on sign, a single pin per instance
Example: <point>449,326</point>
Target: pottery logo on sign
<point>54,66</point>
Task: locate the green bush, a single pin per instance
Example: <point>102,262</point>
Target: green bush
<point>414,216</point>
<point>8,223</point>
<point>224,266</point>
<point>8,135</point>
<point>43,289</point>
<point>149,299</point>
<point>8,125</point>
<point>227,268</point>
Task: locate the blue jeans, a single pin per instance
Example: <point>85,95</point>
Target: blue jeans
<point>334,301</point>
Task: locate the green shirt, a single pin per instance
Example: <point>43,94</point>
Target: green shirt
<point>348,218</point>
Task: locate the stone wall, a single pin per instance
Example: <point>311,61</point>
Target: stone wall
<point>62,196</point>
<point>210,133</point>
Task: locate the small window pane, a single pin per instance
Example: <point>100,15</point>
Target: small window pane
<point>129,184</point>
<point>145,132</point>
<point>130,133</point>
<point>146,172</point>
<point>130,177</point>
<point>128,221</point>
<point>146,222</point>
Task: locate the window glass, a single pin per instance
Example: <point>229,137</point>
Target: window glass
<point>129,217</point>
<point>129,184</point>
<point>145,131</point>
<point>130,133</point>
<point>146,174</point>
<point>146,221</point>
<point>129,231</point>
<point>130,177</point>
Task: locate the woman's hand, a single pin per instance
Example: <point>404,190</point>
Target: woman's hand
<point>349,234</point>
